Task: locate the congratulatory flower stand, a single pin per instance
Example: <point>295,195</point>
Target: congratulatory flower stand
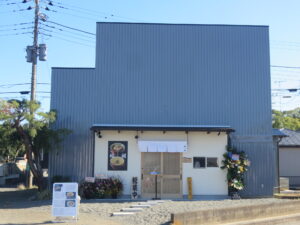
<point>237,164</point>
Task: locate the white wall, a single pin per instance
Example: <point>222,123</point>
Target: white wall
<point>208,181</point>
<point>211,180</point>
<point>133,160</point>
<point>289,161</point>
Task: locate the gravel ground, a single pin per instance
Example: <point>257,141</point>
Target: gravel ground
<point>96,212</point>
<point>161,213</point>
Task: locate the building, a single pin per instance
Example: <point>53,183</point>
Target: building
<point>289,157</point>
<point>167,98</point>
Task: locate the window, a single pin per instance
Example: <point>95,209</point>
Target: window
<point>212,162</point>
<point>199,162</point>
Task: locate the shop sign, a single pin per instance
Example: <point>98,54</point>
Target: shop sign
<point>187,160</point>
<point>65,200</point>
<point>117,155</point>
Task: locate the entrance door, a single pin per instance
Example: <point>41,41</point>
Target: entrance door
<point>169,179</point>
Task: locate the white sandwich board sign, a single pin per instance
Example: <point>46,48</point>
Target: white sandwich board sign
<point>65,200</point>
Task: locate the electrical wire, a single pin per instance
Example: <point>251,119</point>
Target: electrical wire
<point>71,28</point>
<point>16,29</point>
<point>67,40</point>
<point>68,35</point>
<point>69,31</point>
<point>15,34</point>
<point>19,84</point>
<point>88,11</point>
<point>16,24</point>
<point>286,67</point>
<point>14,92</point>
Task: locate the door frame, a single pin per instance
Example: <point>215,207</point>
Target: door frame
<point>161,177</point>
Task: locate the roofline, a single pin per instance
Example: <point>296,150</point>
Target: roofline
<point>289,146</point>
<point>191,24</point>
<point>97,127</point>
<point>280,135</point>
<point>85,68</point>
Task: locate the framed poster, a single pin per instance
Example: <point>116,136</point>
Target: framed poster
<point>117,155</point>
<point>65,199</point>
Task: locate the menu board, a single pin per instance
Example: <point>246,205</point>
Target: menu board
<point>117,155</point>
<point>64,200</point>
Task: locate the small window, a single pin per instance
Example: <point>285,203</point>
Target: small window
<point>212,162</point>
<point>199,162</point>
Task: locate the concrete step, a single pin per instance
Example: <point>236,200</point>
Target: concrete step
<point>140,206</point>
<point>278,220</point>
<point>122,213</point>
<point>149,203</point>
<point>132,209</point>
<point>154,202</point>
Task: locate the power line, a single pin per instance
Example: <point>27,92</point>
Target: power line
<point>19,84</point>
<point>16,29</point>
<point>88,11</point>
<point>69,31</point>
<point>70,41</point>
<point>16,24</point>
<point>287,67</point>
<point>15,34</point>
<point>22,92</point>
<point>72,28</point>
<point>68,35</point>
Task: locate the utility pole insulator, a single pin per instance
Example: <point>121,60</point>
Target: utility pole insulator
<point>29,56</point>
<point>42,52</point>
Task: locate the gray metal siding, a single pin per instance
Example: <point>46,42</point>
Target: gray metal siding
<point>173,75</point>
<point>71,98</point>
<point>185,74</point>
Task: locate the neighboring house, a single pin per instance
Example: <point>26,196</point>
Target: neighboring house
<point>289,157</point>
<point>167,99</point>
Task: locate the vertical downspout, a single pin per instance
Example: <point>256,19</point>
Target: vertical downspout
<point>93,169</point>
<point>277,163</point>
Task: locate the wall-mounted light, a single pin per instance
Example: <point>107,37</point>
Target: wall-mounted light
<point>99,134</point>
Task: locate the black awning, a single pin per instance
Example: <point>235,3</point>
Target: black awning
<point>140,127</point>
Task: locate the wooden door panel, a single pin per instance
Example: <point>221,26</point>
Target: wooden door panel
<point>171,163</point>
<point>169,183</point>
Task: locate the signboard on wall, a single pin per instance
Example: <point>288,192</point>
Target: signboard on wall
<point>117,155</point>
<point>187,160</point>
<point>65,200</point>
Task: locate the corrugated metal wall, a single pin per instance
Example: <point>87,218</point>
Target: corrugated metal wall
<point>173,74</point>
<point>71,91</point>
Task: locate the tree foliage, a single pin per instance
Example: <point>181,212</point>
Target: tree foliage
<point>11,144</point>
<point>287,119</point>
<point>32,129</point>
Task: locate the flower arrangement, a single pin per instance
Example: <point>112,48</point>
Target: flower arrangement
<point>101,188</point>
<point>237,164</point>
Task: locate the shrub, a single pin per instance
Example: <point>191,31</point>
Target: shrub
<point>101,188</point>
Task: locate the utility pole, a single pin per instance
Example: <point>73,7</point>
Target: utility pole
<point>34,55</point>
<point>35,51</point>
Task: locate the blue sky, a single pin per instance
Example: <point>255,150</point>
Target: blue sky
<point>69,48</point>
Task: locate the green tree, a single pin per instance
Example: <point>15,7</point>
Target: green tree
<point>11,145</point>
<point>33,128</point>
<point>287,119</point>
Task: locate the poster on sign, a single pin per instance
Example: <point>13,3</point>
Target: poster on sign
<point>235,157</point>
<point>65,200</point>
